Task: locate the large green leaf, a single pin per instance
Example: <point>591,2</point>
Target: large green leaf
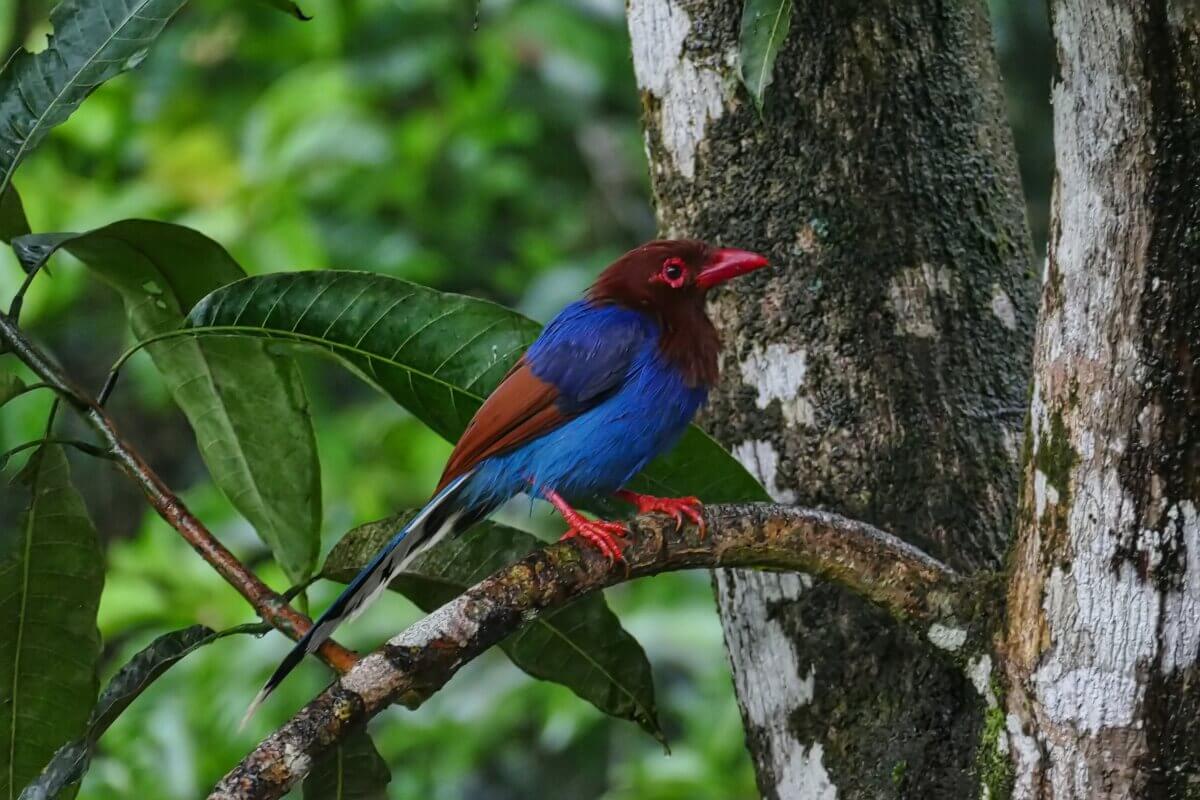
<point>246,404</point>
<point>764,27</point>
<point>353,770</point>
<point>436,354</point>
<point>51,575</point>
<point>72,759</point>
<point>582,646</point>
<point>93,41</point>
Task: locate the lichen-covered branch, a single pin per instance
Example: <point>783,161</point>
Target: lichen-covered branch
<point>915,588</point>
<point>269,605</point>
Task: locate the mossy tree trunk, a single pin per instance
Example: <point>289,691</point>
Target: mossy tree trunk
<point>1103,688</point>
<point>879,368</point>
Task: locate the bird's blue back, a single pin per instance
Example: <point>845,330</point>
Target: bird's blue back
<point>605,359</point>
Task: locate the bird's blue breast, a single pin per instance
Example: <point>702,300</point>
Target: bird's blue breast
<point>643,407</point>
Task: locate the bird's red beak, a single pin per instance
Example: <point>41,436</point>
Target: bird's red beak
<point>727,264</point>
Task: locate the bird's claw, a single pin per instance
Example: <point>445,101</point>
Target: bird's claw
<point>675,507</point>
<point>604,536</point>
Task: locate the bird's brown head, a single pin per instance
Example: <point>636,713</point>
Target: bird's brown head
<point>669,273</point>
<point>669,278</point>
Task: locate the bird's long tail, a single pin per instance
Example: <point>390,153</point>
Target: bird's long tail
<point>442,515</point>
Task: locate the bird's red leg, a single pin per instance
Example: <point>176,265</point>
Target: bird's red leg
<point>677,507</point>
<point>598,533</point>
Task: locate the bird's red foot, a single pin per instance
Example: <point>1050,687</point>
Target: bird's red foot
<point>677,507</point>
<point>601,535</point>
<point>604,536</point>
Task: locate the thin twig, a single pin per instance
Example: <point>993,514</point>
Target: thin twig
<point>269,605</point>
<point>916,589</point>
<point>82,446</point>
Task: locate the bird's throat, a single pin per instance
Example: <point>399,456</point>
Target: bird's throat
<point>691,344</point>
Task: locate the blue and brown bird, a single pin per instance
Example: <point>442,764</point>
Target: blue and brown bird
<point>610,383</point>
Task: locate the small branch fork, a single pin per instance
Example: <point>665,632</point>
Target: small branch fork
<point>271,607</point>
<point>916,589</point>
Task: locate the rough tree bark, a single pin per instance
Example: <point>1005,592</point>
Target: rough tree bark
<point>1103,688</point>
<point>880,368</point>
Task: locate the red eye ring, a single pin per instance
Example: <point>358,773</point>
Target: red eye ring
<point>673,273</point>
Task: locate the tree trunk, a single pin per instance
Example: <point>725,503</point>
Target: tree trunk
<point>879,368</point>
<point>1103,689</point>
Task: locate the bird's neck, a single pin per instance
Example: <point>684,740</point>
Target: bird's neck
<point>690,343</point>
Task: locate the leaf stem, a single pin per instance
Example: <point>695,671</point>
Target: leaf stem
<point>114,371</point>
<point>84,447</point>
<point>18,301</point>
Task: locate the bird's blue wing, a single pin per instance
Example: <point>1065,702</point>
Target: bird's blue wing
<point>583,355</point>
<point>586,352</point>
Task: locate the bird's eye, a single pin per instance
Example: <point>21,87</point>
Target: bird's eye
<point>673,272</point>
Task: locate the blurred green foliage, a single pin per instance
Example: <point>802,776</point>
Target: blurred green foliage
<point>491,149</point>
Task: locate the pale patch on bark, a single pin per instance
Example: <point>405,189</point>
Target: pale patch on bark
<point>1037,410</point>
<point>1101,616</point>
<point>778,374</point>
<point>804,775</point>
<point>759,457</point>
<point>808,686</point>
<point>1181,631</point>
<point>913,295</point>
<point>369,673</point>
<point>1044,493</point>
<point>690,95</point>
<point>1026,756</point>
<point>979,670</point>
<point>295,759</point>
<point>770,695</point>
<point>1002,307</point>
<point>945,637</point>
<point>454,622</point>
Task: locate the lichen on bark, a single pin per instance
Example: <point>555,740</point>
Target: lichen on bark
<point>879,367</point>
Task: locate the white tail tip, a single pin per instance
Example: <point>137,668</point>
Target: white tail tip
<point>254,704</point>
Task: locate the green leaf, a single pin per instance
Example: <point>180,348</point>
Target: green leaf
<point>72,759</point>
<point>436,354</point>
<point>353,770</point>
<point>581,646</point>
<point>12,215</point>
<point>51,575</point>
<point>245,402</point>
<point>287,7</point>
<point>764,28</point>
<point>93,40</point>
<point>10,387</point>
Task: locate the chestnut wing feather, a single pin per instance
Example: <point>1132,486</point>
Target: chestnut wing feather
<point>520,409</point>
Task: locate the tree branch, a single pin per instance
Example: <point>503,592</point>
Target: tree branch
<point>915,588</point>
<point>270,606</point>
